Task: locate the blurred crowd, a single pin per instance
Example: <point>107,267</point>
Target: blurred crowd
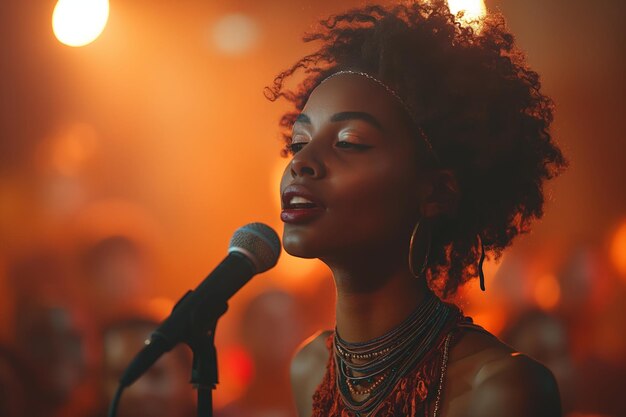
<point>77,320</point>
<point>75,324</point>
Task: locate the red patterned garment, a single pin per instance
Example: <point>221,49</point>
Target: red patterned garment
<point>413,396</point>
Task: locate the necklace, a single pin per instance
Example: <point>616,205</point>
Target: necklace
<point>370,370</point>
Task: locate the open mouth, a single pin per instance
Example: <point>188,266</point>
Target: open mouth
<point>299,203</point>
<point>300,206</point>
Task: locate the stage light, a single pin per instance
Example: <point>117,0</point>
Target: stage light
<point>79,22</point>
<point>473,10</point>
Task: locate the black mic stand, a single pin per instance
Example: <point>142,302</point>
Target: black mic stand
<point>204,369</point>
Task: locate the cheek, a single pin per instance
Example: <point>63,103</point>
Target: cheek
<point>379,198</point>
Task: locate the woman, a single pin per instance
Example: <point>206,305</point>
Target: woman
<point>417,144</point>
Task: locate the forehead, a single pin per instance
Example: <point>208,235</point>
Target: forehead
<point>351,92</point>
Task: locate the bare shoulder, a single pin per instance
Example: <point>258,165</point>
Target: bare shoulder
<point>489,378</point>
<point>515,385</point>
<point>308,367</point>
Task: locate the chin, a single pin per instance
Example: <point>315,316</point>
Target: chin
<point>296,245</point>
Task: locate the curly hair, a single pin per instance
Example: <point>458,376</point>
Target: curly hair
<point>474,97</point>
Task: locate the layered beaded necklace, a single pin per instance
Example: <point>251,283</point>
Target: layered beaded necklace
<point>370,370</point>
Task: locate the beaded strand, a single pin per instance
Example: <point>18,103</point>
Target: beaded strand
<point>381,362</point>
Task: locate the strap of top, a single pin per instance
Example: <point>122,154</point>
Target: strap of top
<point>465,323</point>
<point>468,324</point>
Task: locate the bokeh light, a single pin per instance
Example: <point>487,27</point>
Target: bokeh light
<point>240,365</point>
<point>79,22</point>
<point>618,250</point>
<point>235,34</point>
<point>159,132</point>
<point>547,292</point>
<point>72,147</point>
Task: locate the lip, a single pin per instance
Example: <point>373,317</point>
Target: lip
<point>299,215</point>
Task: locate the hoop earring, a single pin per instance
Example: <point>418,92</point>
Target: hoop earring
<point>412,244</point>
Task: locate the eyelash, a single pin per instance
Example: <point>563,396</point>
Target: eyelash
<point>357,146</point>
<point>296,147</point>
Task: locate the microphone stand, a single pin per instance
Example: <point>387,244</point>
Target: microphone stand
<point>204,375</point>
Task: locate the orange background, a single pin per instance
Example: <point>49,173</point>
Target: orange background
<point>154,132</point>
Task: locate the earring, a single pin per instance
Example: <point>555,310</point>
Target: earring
<point>412,244</point>
<point>481,274</point>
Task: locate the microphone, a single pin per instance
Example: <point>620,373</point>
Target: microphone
<point>254,248</point>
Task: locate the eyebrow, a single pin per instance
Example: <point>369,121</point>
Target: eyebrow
<point>345,115</point>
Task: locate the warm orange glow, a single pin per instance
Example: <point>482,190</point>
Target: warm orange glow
<point>79,22</point>
<point>239,367</point>
<point>547,292</point>
<point>618,250</point>
<point>297,273</point>
<point>235,34</point>
<point>472,287</point>
<point>491,321</point>
<point>160,307</point>
<point>275,178</point>
<point>109,217</point>
<point>71,149</point>
<point>473,10</point>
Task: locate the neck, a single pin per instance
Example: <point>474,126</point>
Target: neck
<point>375,297</point>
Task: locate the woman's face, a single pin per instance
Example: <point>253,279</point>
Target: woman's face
<point>352,186</point>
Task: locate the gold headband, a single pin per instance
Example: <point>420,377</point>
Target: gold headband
<point>397,97</point>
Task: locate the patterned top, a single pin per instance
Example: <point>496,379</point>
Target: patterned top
<point>415,395</point>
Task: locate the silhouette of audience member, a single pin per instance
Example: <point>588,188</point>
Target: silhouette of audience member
<point>271,329</point>
<point>115,272</point>
<point>15,383</point>
<point>590,388</point>
<point>163,391</point>
<point>53,336</point>
<point>58,347</point>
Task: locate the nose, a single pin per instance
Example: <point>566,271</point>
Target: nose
<point>307,163</point>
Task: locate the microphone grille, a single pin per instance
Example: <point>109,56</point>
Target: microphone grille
<point>259,243</point>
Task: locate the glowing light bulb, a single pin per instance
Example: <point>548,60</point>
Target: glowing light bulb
<point>79,22</point>
<point>473,10</point>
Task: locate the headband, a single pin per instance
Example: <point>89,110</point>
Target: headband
<point>426,142</point>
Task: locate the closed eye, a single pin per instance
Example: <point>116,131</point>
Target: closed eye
<point>352,145</point>
<point>294,148</point>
